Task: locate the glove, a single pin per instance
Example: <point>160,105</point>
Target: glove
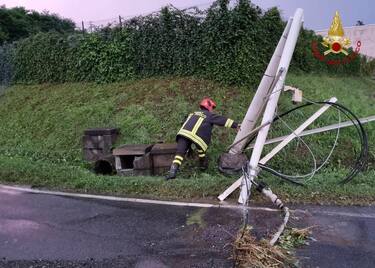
<point>238,127</point>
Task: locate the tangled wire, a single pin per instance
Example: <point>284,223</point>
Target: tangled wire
<point>361,159</point>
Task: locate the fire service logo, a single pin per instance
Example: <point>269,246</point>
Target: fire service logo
<point>335,43</point>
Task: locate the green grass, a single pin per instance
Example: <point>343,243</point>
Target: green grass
<point>41,128</point>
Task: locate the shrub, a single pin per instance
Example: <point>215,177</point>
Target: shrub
<point>229,45</point>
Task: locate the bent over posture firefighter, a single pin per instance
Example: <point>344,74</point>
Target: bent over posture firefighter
<point>197,130</point>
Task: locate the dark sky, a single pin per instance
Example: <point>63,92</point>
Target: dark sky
<point>318,13</point>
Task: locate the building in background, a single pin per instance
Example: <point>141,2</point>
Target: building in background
<point>363,33</point>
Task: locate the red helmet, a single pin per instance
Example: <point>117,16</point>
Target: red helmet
<point>208,104</point>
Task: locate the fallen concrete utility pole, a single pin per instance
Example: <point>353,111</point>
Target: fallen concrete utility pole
<point>260,99</point>
<point>272,103</point>
<point>279,147</point>
<point>364,120</point>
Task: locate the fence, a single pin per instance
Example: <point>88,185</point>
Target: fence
<point>92,26</point>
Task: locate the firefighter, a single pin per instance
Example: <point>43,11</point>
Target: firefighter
<point>197,130</point>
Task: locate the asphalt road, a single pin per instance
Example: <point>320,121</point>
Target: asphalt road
<point>45,230</point>
<point>38,230</point>
<point>344,237</point>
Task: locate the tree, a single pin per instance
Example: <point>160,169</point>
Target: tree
<point>17,23</point>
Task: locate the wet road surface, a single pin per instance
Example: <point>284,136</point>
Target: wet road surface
<point>344,237</point>
<point>38,230</point>
<point>81,232</point>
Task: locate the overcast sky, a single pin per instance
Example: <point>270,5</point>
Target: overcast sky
<point>318,13</point>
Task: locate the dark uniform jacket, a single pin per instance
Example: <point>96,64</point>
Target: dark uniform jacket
<point>198,127</point>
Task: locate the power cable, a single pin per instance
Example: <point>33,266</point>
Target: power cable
<point>361,159</point>
<point>307,146</point>
<point>313,172</point>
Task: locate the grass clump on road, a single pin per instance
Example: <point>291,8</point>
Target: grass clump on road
<point>252,252</point>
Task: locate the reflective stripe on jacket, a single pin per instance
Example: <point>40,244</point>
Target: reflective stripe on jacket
<point>198,127</point>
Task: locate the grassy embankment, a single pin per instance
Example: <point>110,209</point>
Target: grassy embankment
<point>41,128</point>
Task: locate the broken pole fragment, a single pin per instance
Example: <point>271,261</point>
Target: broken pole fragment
<point>272,102</point>
<point>363,120</point>
<point>260,98</point>
<point>297,132</point>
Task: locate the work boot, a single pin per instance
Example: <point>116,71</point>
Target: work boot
<point>203,163</point>
<point>172,172</point>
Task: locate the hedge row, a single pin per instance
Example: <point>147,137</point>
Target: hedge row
<point>230,45</point>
